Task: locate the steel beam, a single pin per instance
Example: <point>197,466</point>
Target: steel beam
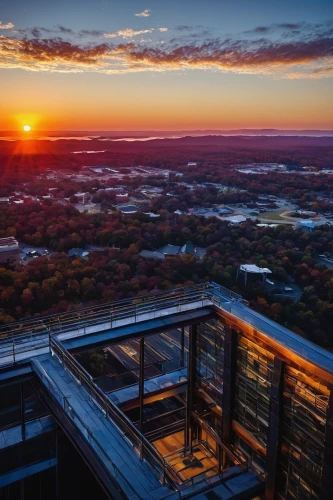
<point>191,376</point>
<point>327,476</point>
<point>167,392</point>
<point>102,475</point>
<point>142,385</point>
<point>273,432</point>
<point>134,331</point>
<point>22,411</point>
<point>229,376</point>
<point>182,343</point>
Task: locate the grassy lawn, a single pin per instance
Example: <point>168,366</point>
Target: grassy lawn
<point>273,215</point>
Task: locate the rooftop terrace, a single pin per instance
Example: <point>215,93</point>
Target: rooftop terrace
<point>160,417</point>
<point>93,325</point>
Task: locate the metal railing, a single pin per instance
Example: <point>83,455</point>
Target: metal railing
<point>113,471</point>
<point>226,293</point>
<point>145,450</point>
<point>19,338</point>
<point>161,368</point>
<point>22,337</point>
<point>287,338</point>
<point>112,310</point>
<point>143,447</point>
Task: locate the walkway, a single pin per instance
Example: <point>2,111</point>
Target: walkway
<point>151,385</point>
<point>114,449</point>
<point>22,347</point>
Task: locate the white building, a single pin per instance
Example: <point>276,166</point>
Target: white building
<point>253,269</point>
<point>308,225</point>
<point>235,220</point>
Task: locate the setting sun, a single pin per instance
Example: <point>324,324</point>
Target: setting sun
<point>26,128</point>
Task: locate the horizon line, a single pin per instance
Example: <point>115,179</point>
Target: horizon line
<point>267,129</point>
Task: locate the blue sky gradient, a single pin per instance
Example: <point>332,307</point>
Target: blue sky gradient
<point>111,64</point>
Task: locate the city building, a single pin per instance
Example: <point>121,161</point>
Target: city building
<point>83,197</point>
<point>308,225</point>
<point>235,220</point>
<point>78,252</point>
<point>9,249</point>
<point>152,215</point>
<point>188,248</point>
<point>128,209</point>
<point>150,254</point>
<point>308,213</point>
<point>246,269</point>
<point>186,393</point>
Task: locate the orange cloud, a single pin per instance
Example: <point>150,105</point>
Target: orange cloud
<point>129,32</point>
<point>300,58</point>
<point>7,26</point>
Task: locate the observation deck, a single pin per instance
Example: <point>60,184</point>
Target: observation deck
<point>149,391</point>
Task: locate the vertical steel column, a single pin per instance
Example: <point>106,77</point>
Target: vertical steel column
<point>22,411</point>
<point>182,344</point>
<point>327,476</point>
<point>229,375</point>
<point>220,458</point>
<point>142,387</point>
<point>57,462</point>
<point>274,423</point>
<point>191,376</point>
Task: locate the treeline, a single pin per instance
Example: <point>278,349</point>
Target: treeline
<point>58,283</point>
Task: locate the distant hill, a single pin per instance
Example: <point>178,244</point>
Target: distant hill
<point>244,141</point>
<point>173,133</point>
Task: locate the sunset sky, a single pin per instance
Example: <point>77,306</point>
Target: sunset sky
<point>166,64</point>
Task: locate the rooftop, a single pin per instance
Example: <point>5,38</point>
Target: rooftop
<point>128,209</point>
<point>78,252</point>
<point>308,223</point>
<point>149,254</point>
<point>137,415</point>
<point>235,219</point>
<point>9,243</point>
<point>154,307</point>
<point>252,268</point>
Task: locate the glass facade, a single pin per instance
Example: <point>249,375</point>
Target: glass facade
<point>10,404</point>
<point>195,400</point>
<point>252,389</point>
<point>209,383</point>
<point>303,408</point>
<point>305,403</point>
<point>210,359</point>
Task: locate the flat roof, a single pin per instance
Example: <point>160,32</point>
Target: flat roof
<point>286,338</point>
<point>128,209</point>
<point>236,219</point>
<point>91,326</point>
<point>10,240</point>
<point>252,268</point>
<point>8,244</point>
<point>149,254</point>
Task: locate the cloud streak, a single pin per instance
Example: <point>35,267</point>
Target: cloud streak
<point>305,56</point>
<point>49,54</point>
<point>127,33</point>
<point>7,26</point>
<point>130,33</point>
<point>145,13</point>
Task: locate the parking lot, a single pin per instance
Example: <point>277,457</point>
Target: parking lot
<point>29,252</point>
